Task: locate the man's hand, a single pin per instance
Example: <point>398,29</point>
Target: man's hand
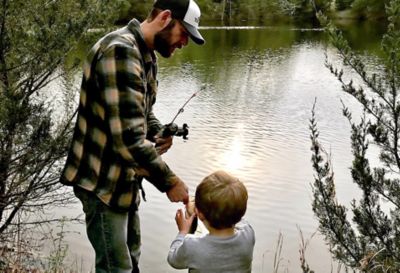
<point>182,222</point>
<point>178,192</point>
<point>163,144</point>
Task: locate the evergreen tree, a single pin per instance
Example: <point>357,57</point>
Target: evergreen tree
<point>370,240</point>
<point>36,38</point>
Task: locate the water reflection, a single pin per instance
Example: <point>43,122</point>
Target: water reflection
<point>252,120</point>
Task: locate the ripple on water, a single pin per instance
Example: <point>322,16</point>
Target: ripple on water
<point>252,120</point>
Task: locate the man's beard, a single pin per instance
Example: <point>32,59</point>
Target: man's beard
<point>162,41</point>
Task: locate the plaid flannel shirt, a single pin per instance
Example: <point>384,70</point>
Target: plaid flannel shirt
<point>111,144</point>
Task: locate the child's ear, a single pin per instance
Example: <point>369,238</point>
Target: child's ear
<point>199,214</point>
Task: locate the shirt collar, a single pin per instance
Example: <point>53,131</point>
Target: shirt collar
<point>148,55</point>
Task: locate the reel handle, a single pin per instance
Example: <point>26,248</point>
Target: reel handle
<point>172,129</point>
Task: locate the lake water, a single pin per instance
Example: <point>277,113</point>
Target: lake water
<point>252,120</point>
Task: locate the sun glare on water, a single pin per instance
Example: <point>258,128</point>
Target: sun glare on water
<point>233,159</point>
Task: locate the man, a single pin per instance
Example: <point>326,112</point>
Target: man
<point>113,143</point>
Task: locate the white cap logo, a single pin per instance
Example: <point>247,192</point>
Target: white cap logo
<point>192,15</point>
<point>191,22</point>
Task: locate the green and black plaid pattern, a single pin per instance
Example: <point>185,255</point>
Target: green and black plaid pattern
<point>111,145</point>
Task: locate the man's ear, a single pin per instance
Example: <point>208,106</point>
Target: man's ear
<point>164,18</point>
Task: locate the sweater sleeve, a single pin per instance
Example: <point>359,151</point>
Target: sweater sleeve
<point>177,255</point>
<point>248,231</point>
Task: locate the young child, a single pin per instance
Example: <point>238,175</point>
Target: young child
<point>220,203</point>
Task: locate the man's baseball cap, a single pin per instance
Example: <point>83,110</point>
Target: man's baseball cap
<point>188,12</point>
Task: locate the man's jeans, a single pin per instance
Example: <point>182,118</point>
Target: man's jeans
<point>114,235</point>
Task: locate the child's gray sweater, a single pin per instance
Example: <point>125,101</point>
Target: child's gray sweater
<point>214,254</point>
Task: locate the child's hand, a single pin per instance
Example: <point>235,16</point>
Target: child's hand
<point>182,222</point>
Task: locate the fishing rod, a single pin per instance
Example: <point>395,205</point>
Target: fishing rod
<point>172,129</point>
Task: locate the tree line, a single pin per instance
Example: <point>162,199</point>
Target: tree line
<point>262,12</point>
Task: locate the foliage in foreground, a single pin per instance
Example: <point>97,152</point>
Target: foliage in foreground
<point>36,105</point>
<point>370,242</point>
